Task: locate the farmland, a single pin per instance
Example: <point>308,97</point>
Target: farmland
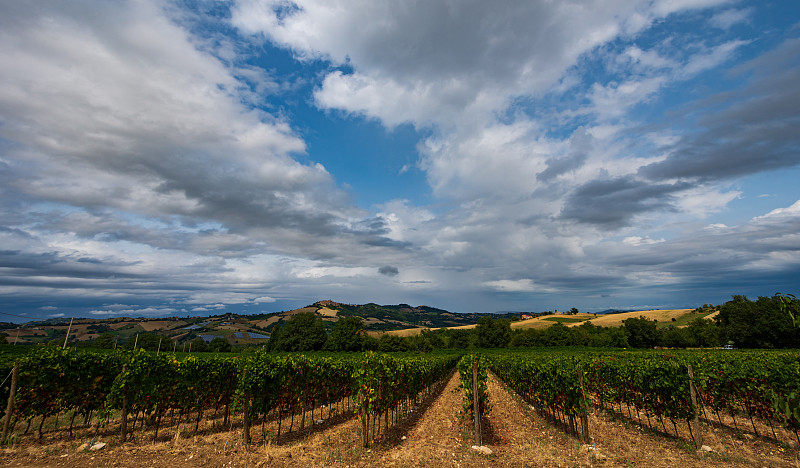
<point>356,408</point>
<point>663,317</point>
<point>386,328</point>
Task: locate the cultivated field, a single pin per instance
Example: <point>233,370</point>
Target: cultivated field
<point>615,320</point>
<point>606,320</point>
<point>434,435</point>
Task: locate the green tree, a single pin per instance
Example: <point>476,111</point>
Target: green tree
<point>493,333</point>
<point>3,339</point>
<point>705,333</point>
<point>435,338</point>
<point>641,333</point>
<point>275,337</point>
<point>421,342</point>
<point>790,306</point>
<point>674,337</point>
<point>104,341</point>
<point>557,335</point>
<point>370,343</point>
<point>583,334</point>
<point>758,324</point>
<point>149,341</point>
<point>347,335</point>
<point>455,338</point>
<point>303,332</point>
<point>612,337</point>
<point>198,345</point>
<point>529,338</point>
<point>219,345</point>
<point>393,343</point>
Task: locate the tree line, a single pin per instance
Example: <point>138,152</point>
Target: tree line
<point>741,322</point>
<point>744,323</point>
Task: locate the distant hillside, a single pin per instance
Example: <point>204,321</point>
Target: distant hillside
<point>400,319</point>
<point>663,318</point>
<point>613,311</point>
<point>380,317</point>
<point>238,329</point>
<point>234,328</point>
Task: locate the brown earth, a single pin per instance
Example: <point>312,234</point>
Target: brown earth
<point>434,435</point>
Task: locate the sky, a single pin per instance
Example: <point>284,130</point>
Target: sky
<point>173,158</point>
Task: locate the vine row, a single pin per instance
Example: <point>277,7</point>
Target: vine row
<point>263,386</point>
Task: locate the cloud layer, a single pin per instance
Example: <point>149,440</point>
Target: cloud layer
<point>579,152</point>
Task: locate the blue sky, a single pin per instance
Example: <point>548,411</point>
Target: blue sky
<point>195,157</point>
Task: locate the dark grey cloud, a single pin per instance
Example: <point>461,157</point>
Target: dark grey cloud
<point>742,132</point>
<point>717,259</point>
<point>613,203</point>
<point>379,241</point>
<point>561,165</point>
<point>52,270</point>
<point>580,146</point>
<point>388,270</point>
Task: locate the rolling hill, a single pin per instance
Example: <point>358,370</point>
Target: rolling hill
<point>400,319</point>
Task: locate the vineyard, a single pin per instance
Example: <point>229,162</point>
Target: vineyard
<point>264,398</point>
<point>675,386</point>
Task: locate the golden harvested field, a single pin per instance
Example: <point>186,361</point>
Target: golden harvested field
<point>609,320</point>
<point>328,312</point>
<point>265,322</point>
<point>407,331</point>
<point>615,320</point>
<point>546,321</point>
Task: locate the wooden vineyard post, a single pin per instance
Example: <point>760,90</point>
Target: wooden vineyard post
<point>67,337</point>
<point>364,416</point>
<point>364,429</point>
<point>584,416</point>
<point>246,407</point>
<point>10,406</point>
<point>246,422</point>
<point>476,403</point>
<point>123,427</point>
<point>698,438</point>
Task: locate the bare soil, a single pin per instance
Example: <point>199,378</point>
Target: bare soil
<point>433,435</point>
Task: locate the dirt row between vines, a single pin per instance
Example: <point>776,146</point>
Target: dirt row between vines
<point>434,436</point>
